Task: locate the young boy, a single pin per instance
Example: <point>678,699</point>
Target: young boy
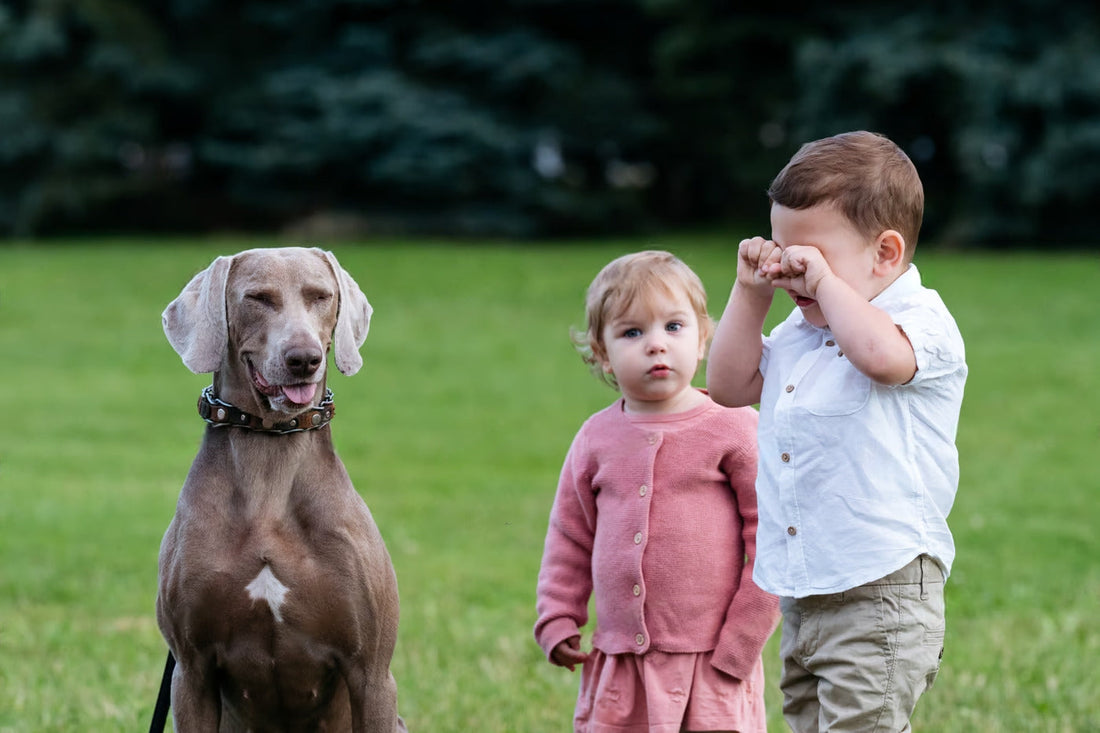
<point>859,391</point>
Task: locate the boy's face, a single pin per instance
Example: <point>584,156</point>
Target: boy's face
<point>847,252</point>
<point>653,348</point>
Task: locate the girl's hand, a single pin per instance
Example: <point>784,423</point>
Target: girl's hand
<point>756,258</point>
<point>568,653</point>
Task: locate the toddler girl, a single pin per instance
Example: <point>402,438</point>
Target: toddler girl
<point>655,513</point>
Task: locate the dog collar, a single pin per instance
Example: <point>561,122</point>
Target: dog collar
<point>219,413</point>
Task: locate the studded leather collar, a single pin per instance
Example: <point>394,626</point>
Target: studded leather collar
<point>219,413</point>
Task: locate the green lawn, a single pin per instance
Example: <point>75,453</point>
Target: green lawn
<point>454,432</point>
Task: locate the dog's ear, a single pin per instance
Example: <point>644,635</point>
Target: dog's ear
<point>195,322</point>
<point>352,322</point>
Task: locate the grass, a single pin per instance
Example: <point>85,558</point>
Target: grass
<point>454,433</point>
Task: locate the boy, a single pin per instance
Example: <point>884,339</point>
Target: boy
<point>859,391</point>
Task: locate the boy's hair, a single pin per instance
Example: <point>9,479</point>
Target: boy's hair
<point>623,281</point>
<point>865,175</point>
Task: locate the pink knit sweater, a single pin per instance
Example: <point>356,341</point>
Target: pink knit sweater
<point>656,514</point>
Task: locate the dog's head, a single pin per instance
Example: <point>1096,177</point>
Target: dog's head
<point>266,317</point>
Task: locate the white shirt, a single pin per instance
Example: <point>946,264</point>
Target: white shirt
<point>856,478</point>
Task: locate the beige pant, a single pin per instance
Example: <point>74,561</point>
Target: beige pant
<point>859,660</point>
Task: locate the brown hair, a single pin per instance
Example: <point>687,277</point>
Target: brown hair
<point>865,175</point>
<point>621,283</point>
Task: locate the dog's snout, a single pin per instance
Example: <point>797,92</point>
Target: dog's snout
<point>302,361</point>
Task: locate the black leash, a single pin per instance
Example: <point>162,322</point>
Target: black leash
<point>164,697</point>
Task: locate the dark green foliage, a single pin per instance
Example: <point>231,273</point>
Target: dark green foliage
<point>532,117</point>
<point>998,107</point>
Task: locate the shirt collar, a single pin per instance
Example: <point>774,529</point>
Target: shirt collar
<point>906,283</point>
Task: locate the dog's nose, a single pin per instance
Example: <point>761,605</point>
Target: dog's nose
<point>303,362</point>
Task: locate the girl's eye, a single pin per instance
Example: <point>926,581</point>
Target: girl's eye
<point>631,333</point>
<point>674,326</point>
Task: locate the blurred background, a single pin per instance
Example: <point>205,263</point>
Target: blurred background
<point>432,131</point>
<point>534,118</point>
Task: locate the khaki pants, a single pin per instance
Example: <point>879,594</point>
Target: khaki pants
<point>859,660</point>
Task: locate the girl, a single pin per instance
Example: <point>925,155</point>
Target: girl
<point>655,513</point>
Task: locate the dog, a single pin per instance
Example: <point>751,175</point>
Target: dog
<point>277,596</point>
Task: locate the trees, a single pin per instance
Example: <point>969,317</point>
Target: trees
<point>530,117</point>
<point>998,106</point>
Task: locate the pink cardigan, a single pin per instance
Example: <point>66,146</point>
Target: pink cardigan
<point>657,515</point>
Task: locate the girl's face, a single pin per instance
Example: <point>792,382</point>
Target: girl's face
<point>653,348</point>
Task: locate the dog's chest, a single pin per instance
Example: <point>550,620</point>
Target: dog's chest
<point>270,585</point>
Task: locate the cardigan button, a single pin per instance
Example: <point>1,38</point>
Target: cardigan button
<point>642,490</point>
<point>640,639</point>
<point>637,589</point>
<point>638,538</point>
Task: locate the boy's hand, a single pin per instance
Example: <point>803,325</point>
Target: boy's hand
<point>568,653</point>
<point>800,269</point>
<point>755,257</point>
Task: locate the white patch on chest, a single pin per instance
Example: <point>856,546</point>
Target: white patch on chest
<point>266,587</point>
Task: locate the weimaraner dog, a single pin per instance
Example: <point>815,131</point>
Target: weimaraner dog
<point>277,595</point>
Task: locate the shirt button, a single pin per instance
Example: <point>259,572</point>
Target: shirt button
<point>640,639</point>
<point>792,531</point>
<point>790,388</point>
<point>840,353</point>
<point>637,589</point>
<point>785,457</point>
<point>638,538</point>
<point>830,342</point>
<point>642,490</point>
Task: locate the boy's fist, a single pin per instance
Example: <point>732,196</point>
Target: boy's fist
<point>756,258</point>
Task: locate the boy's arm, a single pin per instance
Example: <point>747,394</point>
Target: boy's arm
<point>873,343</point>
<point>867,335</point>
<point>733,365</point>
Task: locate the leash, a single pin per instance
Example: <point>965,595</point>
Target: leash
<point>164,697</point>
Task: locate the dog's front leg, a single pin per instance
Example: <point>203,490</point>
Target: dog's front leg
<point>373,703</point>
<point>196,703</point>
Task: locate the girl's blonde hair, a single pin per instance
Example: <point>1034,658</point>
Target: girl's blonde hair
<point>620,284</point>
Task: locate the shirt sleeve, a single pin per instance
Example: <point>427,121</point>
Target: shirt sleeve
<point>565,577</point>
<point>753,614</point>
<point>933,334</point>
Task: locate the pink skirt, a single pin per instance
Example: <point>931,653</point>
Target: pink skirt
<point>666,693</point>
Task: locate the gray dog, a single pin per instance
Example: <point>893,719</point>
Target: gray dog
<point>277,596</point>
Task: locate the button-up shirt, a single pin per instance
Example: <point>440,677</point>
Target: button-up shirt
<point>857,478</point>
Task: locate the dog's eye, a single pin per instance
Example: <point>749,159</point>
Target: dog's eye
<point>260,296</point>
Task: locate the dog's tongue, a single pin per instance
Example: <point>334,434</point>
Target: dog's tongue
<point>300,394</point>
